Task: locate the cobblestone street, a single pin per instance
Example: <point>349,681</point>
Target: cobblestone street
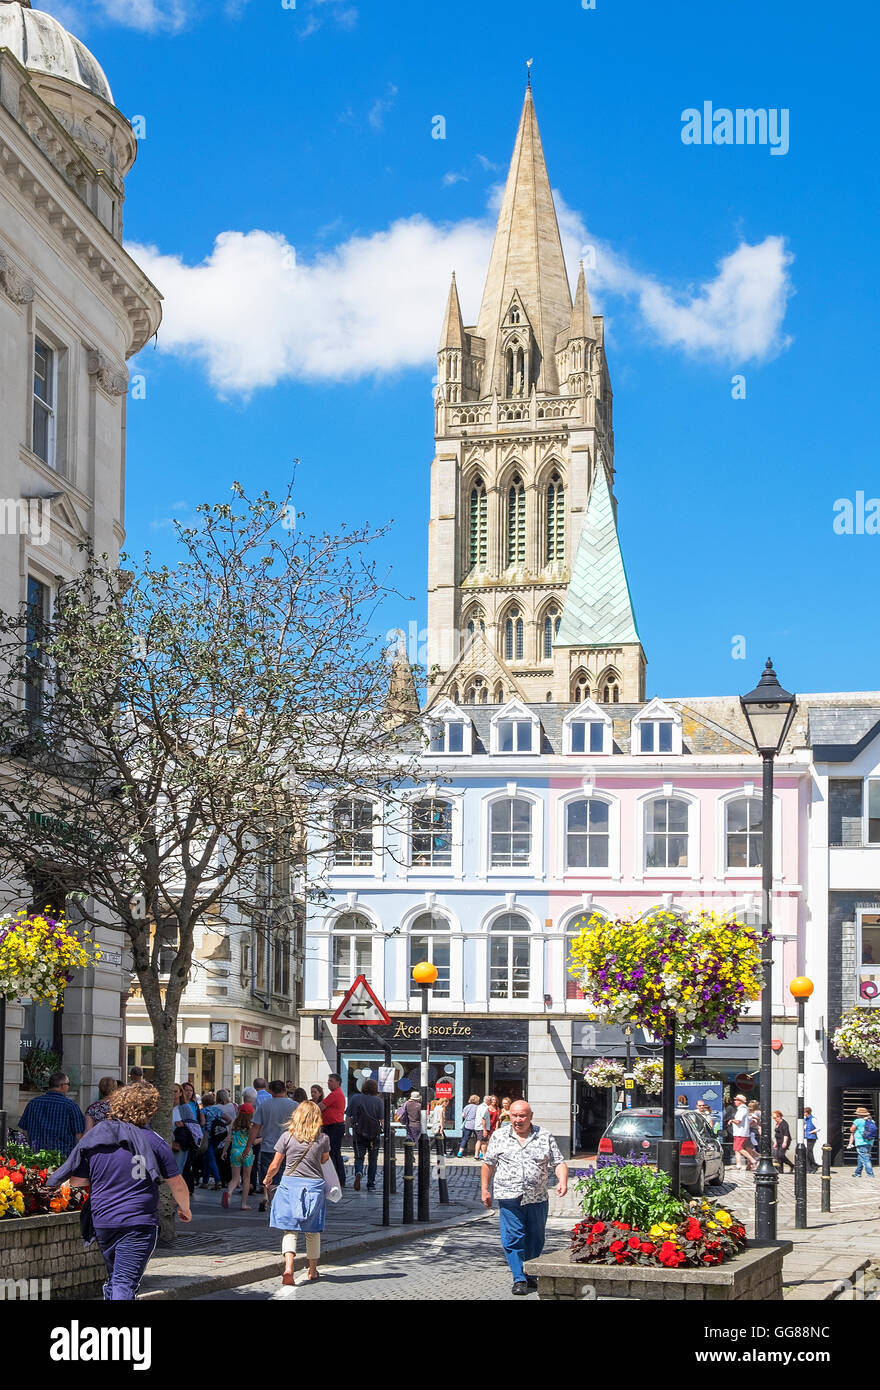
<point>461,1265</point>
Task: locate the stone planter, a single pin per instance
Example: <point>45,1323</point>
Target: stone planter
<point>38,1248</point>
<point>755,1274</point>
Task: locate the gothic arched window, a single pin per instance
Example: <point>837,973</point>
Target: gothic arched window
<point>555,519</point>
<point>477,541</point>
<point>476,622</point>
<point>552,619</point>
<point>516,522</point>
<point>580,687</point>
<point>514,636</point>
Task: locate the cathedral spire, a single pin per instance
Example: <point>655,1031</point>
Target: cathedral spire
<point>598,609</point>
<point>453,325</point>
<point>526,258</point>
<point>581,313</point>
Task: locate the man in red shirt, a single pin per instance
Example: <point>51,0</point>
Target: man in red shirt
<point>333,1113</point>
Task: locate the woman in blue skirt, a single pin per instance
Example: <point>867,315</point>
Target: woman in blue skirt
<point>299,1203</point>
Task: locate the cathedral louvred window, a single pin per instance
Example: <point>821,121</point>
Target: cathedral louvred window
<point>478,539</point>
<point>555,519</point>
<point>516,522</point>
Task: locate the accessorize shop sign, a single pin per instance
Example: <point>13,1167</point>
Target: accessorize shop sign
<point>467,1034</point>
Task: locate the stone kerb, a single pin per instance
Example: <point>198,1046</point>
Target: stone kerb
<point>37,1248</point>
<point>755,1274</point>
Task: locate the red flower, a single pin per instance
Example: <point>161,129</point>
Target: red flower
<point>620,1259</point>
<point>669,1255</point>
<point>693,1230</point>
<point>622,1225</point>
<point>634,1242</point>
<point>647,1247</point>
<point>598,1228</point>
<point>616,1246</point>
<point>16,1179</point>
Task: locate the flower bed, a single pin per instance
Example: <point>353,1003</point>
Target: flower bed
<point>632,1217</point>
<point>708,1235</point>
<point>22,1191</point>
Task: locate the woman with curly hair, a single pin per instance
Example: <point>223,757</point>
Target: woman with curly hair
<point>300,1202</point>
<point>122,1161</point>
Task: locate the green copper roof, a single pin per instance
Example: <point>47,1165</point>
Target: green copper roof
<point>598,610</point>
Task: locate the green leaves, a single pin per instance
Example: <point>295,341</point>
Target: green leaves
<point>639,1196</point>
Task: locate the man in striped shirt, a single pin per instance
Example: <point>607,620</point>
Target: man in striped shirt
<point>53,1120</point>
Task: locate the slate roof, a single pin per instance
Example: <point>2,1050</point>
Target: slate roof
<point>839,735</point>
<point>598,608</point>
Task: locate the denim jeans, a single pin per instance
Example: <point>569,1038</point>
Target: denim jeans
<point>369,1149</point>
<point>466,1137</point>
<point>126,1251</point>
<point>522,1232</point>
<point>864,1160</point>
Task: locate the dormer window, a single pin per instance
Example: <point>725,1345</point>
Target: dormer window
<point>587,736</point>
<point>448,731</point>
<point>655,736</point>
<point>515,730</point>
<point>657,729</point>
<point>514,736</point>
<point>587,730</point>
<point>514,315</point>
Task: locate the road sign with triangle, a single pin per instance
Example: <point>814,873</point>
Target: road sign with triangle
<point>360,1005</point>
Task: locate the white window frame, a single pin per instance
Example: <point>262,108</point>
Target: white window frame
<point>567,931</point>
<point>861,970</point>
<point>437,793</point>
<point>536,959</point>
<point>535,866</point>
<point>866,794</point>
<point>51,407</point>
<point>374,868</point>
<point>514,712</point>
<point>587,712</point>
<point>587,792</point>
<point>333,934</point>
<point>747,790</point>
<point>656,713</point>
<point>453,935</point>
<point>446,713</point>
<point>668,792</point>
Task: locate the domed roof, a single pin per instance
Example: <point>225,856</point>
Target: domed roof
<point>41,44</point>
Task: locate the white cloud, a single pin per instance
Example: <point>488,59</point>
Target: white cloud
<point>146,15</point>
<point>376,115</point>
<point>256,315</point>
<point>453,177</point>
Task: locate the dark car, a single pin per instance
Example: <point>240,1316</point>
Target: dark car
<point>701,1158</point>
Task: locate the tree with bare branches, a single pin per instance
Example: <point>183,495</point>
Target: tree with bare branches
<point>168,730</point>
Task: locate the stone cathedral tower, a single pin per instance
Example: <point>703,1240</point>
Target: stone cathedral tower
<point>527,592</point>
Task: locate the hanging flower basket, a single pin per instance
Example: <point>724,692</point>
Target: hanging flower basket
<point>859,1037</point>
<point>605,1071</point>
<point>694,973</point>
<point>648,1072</point>
<point>40,954</point>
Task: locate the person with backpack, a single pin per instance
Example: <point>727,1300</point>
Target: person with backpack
<point>862,1134</point>
<point>365,1114</point>
<point>811,1134</point>
<point>215,1132</point>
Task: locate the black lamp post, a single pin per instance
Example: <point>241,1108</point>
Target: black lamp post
<point>768,710</point>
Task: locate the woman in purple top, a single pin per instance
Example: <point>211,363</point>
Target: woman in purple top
<point>100,1108</point>
<point>122,1162</point>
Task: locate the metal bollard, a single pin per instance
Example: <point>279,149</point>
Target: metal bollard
<point>442,1184</point>
<point>393,1162</point>
<point>826,1177</point>
<point>409,1178</point>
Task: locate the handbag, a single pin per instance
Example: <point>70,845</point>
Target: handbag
<point>332,1190</point>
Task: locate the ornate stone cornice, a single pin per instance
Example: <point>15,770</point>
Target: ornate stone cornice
<point>112,378</point>
<point>17,286</point>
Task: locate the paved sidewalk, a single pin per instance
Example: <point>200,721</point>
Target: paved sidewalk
<point>222,1249</point>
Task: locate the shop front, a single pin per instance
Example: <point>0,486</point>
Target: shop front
<point>480,1056</point>
<point>731,1061</point>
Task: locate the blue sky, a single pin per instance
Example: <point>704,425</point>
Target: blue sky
<point>302,138</point>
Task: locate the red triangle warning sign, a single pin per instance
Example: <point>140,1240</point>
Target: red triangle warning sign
<point>360,1005</point>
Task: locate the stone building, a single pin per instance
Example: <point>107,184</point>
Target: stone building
<point>74,307</point>
<point>527,591</point>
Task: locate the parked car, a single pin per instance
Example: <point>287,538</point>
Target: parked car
<point>701,1157</point>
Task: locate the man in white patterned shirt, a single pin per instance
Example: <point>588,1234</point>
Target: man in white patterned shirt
<point>519,1158</point>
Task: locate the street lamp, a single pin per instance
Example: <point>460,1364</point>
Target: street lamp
<point>425,975</point>
<point>801,988</point>
<point>768,710</point>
